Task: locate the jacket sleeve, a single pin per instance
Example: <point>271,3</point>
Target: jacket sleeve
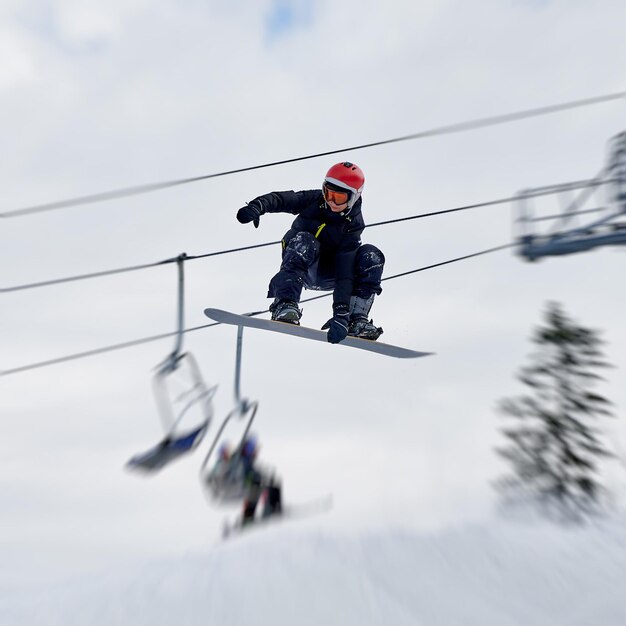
<point>285,201</point>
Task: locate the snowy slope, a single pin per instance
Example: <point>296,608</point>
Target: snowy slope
<point>503,574</point>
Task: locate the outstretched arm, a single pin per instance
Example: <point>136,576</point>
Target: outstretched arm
<point>274,202</point>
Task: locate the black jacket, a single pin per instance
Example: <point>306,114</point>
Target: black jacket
<point>339,234</point>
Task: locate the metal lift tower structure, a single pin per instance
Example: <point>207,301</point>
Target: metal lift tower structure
<point>563,233</point>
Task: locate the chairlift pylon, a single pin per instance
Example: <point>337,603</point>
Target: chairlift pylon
<point>564,233</point>
<point>173,409</point>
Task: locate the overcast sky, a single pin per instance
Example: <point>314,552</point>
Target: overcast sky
<point>96,97</point>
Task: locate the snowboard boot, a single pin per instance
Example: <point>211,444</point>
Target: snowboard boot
<point>247,514</point>
<point>360,325</point>
<point>273,501</point>
<point>285,311</point>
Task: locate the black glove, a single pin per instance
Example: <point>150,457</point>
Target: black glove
<point>338,324</point>
<point>250,213</point>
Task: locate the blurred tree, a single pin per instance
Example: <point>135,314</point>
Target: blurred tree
<point>554,445</point>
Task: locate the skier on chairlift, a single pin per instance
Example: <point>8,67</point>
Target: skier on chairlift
<point>221,478</point>
<point>259,484</point>
<point>237,475</point>
<point>322,250</point>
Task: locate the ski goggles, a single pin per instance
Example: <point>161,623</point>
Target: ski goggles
<point>333,195</point>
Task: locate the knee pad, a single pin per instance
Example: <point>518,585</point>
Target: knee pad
<point>369,265</point>
<point>302,246</point>
<point>369,259</point>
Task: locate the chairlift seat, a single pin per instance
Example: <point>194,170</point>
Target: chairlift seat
<point>167,450</point>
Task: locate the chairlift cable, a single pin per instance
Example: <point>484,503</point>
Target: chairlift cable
<point>144,340</point>
<point>441,130</point>
<point>594,182</point>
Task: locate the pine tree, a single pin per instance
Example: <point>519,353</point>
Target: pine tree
<point>554,445</point>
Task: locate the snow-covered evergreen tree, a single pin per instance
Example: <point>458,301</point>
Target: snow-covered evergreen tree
<point>555,442</point>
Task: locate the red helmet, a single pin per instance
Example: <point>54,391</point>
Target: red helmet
<point>347,176</point>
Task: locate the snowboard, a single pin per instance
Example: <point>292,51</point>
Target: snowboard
<point>301,510</point>
<point>226,317</point>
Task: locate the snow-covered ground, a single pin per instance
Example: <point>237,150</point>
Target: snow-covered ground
<point>500,574</point>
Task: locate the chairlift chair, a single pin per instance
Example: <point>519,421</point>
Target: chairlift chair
<point>182,368</point>
<point>229,487</point>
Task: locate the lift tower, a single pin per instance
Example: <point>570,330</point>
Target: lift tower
<point>541,235</point>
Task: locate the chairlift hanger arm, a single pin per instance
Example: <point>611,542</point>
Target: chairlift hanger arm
<point>171,361</point>
<point>238,365</point>
<point>241,409</point>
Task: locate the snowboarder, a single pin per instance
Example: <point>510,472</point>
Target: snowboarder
<point>322,250</point>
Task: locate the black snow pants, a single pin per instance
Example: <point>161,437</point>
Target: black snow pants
<point>305,265</point>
